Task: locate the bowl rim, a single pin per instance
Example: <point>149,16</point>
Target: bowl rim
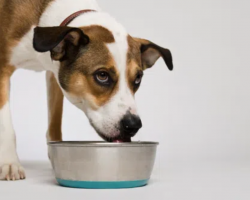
<point>101,144</point>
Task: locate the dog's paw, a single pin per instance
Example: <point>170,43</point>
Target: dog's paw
<point>12,172</point>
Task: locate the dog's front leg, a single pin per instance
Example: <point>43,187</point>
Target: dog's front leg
<point>55,109</point>
<point>10,168</point>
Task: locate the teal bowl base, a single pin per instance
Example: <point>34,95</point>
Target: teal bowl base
<point>102,184</point>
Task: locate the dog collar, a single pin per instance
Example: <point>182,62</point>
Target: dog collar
<point>73,16</point>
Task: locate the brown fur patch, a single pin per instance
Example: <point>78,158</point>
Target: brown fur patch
<point>132,70</point>
<point>93,55</point>
<point>85,87</point>
<point>98,33</point>
<point>134,51</point>
<point>77,77</point>
<point>5,74</point>
<point>18,16</point>
<point>133,62</point>
<point>16,19</point>
<point>55,108</point>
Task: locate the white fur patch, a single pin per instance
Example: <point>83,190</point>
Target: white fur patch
<point>24,56</point>
<point>5,122</point>
<point>10,167</point>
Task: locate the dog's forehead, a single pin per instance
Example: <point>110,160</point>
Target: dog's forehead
<point>126,54</point>
<point>118,49</point>
<point>112,33</point>
<point>123,53</point>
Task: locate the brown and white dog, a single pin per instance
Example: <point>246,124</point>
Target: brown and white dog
<point>96,65</point>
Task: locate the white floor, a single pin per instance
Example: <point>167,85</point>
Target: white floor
<point>181,180</point>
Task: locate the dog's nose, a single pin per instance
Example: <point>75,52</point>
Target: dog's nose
<point>130,124</point>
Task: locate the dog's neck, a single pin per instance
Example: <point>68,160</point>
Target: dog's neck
<point>74,15</point>
<point>59,10</point>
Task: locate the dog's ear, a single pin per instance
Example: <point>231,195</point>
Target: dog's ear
<point>151,52</point>
<point>59,40</point>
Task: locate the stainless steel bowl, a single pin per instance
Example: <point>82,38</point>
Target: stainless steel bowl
<point>102,165</point>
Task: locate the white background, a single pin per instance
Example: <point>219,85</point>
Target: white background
<point>199,112</point>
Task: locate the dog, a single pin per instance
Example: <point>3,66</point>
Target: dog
<point>89,58</point>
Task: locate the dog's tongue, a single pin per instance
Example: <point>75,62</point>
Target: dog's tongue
<point>122,140</point>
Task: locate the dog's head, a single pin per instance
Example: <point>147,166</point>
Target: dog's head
<point>100,70</point>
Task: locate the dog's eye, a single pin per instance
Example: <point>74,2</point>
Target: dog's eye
<point>102,77</point>
<point>138,79</point>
